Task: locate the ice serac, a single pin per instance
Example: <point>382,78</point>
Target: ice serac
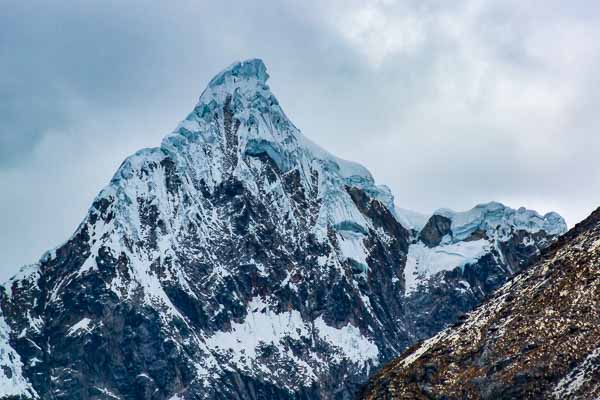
<point>216,264</point>
<point>499,221</point>
<point>238,260</point>
<point>537,337</point>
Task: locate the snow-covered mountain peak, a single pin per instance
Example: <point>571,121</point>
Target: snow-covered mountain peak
<point>242,82</point>
<point>238,120</point>
<point>237,114</point>
<point>242,242</point>
<point>248,70</point>
<point>237,139</point>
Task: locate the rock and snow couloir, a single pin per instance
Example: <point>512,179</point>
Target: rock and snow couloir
<point>241,260</point>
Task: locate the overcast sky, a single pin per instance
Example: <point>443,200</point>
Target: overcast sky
<point>450,103</point>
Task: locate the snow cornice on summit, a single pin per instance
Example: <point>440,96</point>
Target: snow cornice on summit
<point>241,99</point>
<point>249,70</point>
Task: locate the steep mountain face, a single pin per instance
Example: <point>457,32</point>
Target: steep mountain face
<point>458,258</point>
<point>537,337</point>
<point>214,266</point>
<point>236,261</point>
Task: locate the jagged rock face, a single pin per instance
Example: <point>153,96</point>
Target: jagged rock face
<point>236,261</point>
<point>537,337</point>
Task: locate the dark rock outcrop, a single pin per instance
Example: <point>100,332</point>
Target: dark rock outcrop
<point>436,228</point>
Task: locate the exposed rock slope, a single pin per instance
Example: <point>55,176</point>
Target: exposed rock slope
<point>537,337</point>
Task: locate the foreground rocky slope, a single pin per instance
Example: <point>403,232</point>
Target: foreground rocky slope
<point>239,261</point>
<point>537,337</point>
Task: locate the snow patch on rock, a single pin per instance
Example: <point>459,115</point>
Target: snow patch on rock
<point>262,328</point>
<point>12,381</point>
<point>423,262</point>
<point>80,327</point>
<point>579,376</point>
<point>350,341</point>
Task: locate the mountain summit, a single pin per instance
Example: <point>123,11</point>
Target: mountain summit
<point>238,260</point>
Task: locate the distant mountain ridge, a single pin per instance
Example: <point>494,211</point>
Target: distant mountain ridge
<point>240,260</point>
<point>536,337</point>
<point>455,259</point>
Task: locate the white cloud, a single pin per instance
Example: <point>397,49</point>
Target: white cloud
<point>376,31</point>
